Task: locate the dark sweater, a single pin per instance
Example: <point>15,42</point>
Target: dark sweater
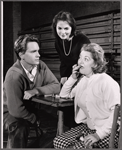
<point>68,61</point>
<point>16,82</point>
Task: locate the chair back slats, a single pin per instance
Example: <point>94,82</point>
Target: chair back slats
<point>114,126</point>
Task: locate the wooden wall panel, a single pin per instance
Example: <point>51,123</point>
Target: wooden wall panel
<point>101,29</point>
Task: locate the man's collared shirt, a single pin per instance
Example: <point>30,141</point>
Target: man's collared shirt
<point>31,75</point>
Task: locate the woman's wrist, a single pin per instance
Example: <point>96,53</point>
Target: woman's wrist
<point>97,136</point>
<point>74,76</point>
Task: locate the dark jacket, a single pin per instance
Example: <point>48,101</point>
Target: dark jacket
<point>68,61</point>
<point>16,82</point>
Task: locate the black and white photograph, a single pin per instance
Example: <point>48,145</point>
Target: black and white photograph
<point>61,74</point>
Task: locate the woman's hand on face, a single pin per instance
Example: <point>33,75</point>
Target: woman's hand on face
<point>75,71</point>
<point>90,139</point>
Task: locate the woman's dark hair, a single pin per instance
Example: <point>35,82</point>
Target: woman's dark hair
<point>20,44</point>
<point>97,55</point>
<point>64,16</point>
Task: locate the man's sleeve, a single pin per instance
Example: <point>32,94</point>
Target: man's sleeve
<point>50,83</point>
<point>14,92</point>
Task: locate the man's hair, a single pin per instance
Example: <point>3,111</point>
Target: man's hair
<point>64,16</point>
<point>98,56</point>
<point>20,44</point>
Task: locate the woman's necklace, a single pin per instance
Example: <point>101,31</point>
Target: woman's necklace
<point>69,48</point>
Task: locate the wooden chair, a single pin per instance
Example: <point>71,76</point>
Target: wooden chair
<point>114,127</point>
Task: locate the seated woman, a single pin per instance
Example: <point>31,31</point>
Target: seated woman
<point>95,96</point>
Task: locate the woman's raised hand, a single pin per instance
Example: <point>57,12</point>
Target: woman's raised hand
<point>75,71</point>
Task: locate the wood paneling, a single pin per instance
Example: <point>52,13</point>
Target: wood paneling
<point>101,29</point>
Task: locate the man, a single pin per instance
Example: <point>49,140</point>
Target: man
<point>28,77</point>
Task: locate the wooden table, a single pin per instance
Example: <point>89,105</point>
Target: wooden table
<point>55,102</point>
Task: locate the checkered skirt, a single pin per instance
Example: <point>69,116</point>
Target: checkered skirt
<point>68,139</point>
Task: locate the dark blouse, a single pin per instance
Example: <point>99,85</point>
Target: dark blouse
<point>68,61</point>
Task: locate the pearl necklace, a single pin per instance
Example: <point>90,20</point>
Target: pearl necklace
<point>69,48</point>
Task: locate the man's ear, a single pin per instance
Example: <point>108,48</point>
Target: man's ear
<point>21,55</point>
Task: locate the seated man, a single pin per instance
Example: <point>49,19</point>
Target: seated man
<point>28,77</point>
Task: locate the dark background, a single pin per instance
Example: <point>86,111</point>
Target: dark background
<point>21,16</point>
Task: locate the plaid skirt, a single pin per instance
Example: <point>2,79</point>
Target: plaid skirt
<point>69,140</point>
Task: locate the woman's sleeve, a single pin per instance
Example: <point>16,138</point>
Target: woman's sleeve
<point>84,38</point>
<point>57,49</point>
<point>111,96</point>
<point>67,91</point>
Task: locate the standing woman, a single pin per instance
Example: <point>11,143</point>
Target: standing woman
<point>68,42</point>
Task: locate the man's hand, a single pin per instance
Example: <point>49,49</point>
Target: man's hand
<point>30,93</point>
<point>90,139</point>
<point>75,71</point>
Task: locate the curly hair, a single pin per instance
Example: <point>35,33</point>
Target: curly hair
<point>64,16</point>
<point>20,44</point>
<point>97,55</point>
